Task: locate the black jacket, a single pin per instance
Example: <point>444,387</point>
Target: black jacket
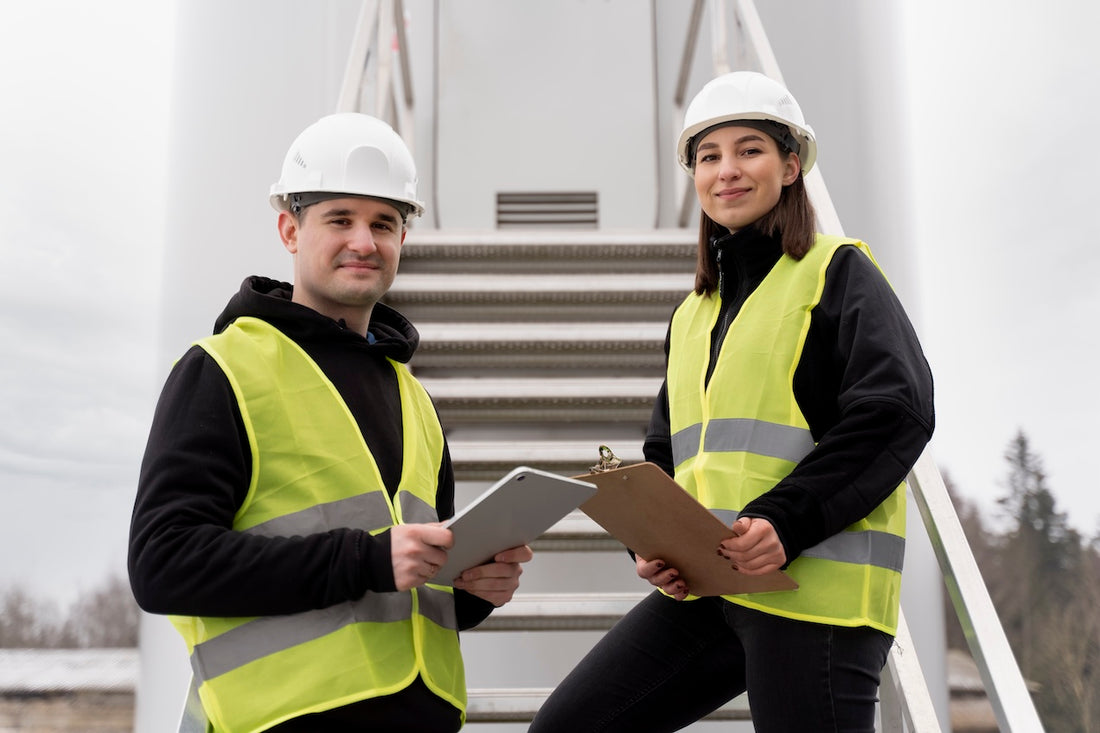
<point>185,559</point>
<point>862,383</point>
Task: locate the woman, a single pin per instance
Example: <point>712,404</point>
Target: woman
<point>796,400</point>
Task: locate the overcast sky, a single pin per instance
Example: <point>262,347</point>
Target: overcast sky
<point>1003,110</point>
<point>83,131</point>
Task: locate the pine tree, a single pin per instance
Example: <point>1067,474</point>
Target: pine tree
<point>1045,586</point>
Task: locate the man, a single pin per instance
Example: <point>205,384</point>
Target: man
<point>288,504</point>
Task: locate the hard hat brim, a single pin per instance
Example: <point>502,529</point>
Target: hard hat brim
<point>280,200</point>
<point>807,155</point>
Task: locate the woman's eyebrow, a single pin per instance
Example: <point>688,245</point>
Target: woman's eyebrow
<point>738,141</point>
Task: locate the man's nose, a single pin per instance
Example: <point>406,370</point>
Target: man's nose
<point>362,239</point>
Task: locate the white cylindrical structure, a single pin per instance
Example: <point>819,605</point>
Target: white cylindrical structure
<point>249,76</point>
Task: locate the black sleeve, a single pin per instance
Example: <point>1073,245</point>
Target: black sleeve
<point>184,558</point>
<point>657,447</point>
<point>865,389</point>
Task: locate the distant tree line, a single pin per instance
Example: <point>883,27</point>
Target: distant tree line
<point>1044,579</point>
<point>102,617</point>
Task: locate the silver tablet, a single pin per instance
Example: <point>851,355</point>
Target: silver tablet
<point>514,511</point>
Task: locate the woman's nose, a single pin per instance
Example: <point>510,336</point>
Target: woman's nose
<point>729,169</point>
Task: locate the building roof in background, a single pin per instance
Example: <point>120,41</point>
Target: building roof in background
<point>66,670</point>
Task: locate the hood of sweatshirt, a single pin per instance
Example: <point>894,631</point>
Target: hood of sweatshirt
<point>269,300</point>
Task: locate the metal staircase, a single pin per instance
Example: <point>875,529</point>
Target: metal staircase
<point>537,348</point>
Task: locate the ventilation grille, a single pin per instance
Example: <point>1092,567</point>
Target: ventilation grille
<point>576,210</point>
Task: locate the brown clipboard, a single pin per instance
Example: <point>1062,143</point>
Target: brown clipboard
<point>642,507</point>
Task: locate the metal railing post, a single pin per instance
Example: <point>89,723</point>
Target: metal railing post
<point>352,86</point>
<point>380,30</point>
<point>1004,683</point>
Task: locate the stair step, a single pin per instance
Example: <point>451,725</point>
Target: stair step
<point>519,705</point>
<point>437,335</point>
<point>544,349</point>
<point>561,612</point>
<point>672,250</point>
<point>539,298</point>
<point>562,388</point>
<point>577,532</point>
<point>553,399</point>
<point>488,460</point>
<point>521,287</point>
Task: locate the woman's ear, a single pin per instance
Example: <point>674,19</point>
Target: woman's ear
<point>792,169</point>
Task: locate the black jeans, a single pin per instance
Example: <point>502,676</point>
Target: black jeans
<point>668,663</point>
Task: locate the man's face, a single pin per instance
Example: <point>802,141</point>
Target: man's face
<point>345,255</point>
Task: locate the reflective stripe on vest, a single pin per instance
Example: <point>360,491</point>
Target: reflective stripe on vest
<point>731,444</point>
<point>312,472</point>
<point>866,547</point>
<point>742,434</point>
<point>268,635</point>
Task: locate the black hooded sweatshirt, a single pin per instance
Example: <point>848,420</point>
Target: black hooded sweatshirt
<point>862,383</point>
<point>185,559</point>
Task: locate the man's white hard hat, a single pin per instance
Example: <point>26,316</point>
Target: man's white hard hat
<point>348,153</point>
<point>745,95</point>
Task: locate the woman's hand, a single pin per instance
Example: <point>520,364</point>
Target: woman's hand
<point>756,549</point>
<point>666,578</point>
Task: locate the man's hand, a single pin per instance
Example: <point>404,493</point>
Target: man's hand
<point>666,578</point>
<point>756,549</point>
<point>417,551</point>
<point>496,581</point>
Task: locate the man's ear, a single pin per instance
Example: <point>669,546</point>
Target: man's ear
<point>792,170</point>
<point>288,231</point>
<point>404,231</point>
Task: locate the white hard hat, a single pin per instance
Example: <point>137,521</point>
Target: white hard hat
<point>745,95</point>
<point>349,153</point>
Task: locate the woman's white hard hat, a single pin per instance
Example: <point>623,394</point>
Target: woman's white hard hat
<point>349,153</point>
<point>744,95</point>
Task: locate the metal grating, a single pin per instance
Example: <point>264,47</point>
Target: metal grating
<point>561,210</point>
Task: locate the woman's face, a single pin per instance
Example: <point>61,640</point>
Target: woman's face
<point>740,173</point>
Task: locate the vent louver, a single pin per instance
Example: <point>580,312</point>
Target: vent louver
<point>558,210</point>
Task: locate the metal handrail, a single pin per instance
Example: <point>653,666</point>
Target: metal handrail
<point>379,23</point>
<point>1001,676</point>
<point>906,698</point>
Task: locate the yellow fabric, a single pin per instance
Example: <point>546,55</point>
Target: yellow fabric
<point>307,452</point>
<point>753,380</point>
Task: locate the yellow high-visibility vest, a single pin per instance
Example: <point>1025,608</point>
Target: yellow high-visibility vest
<point>312,472</point>
<point>737,436</point>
